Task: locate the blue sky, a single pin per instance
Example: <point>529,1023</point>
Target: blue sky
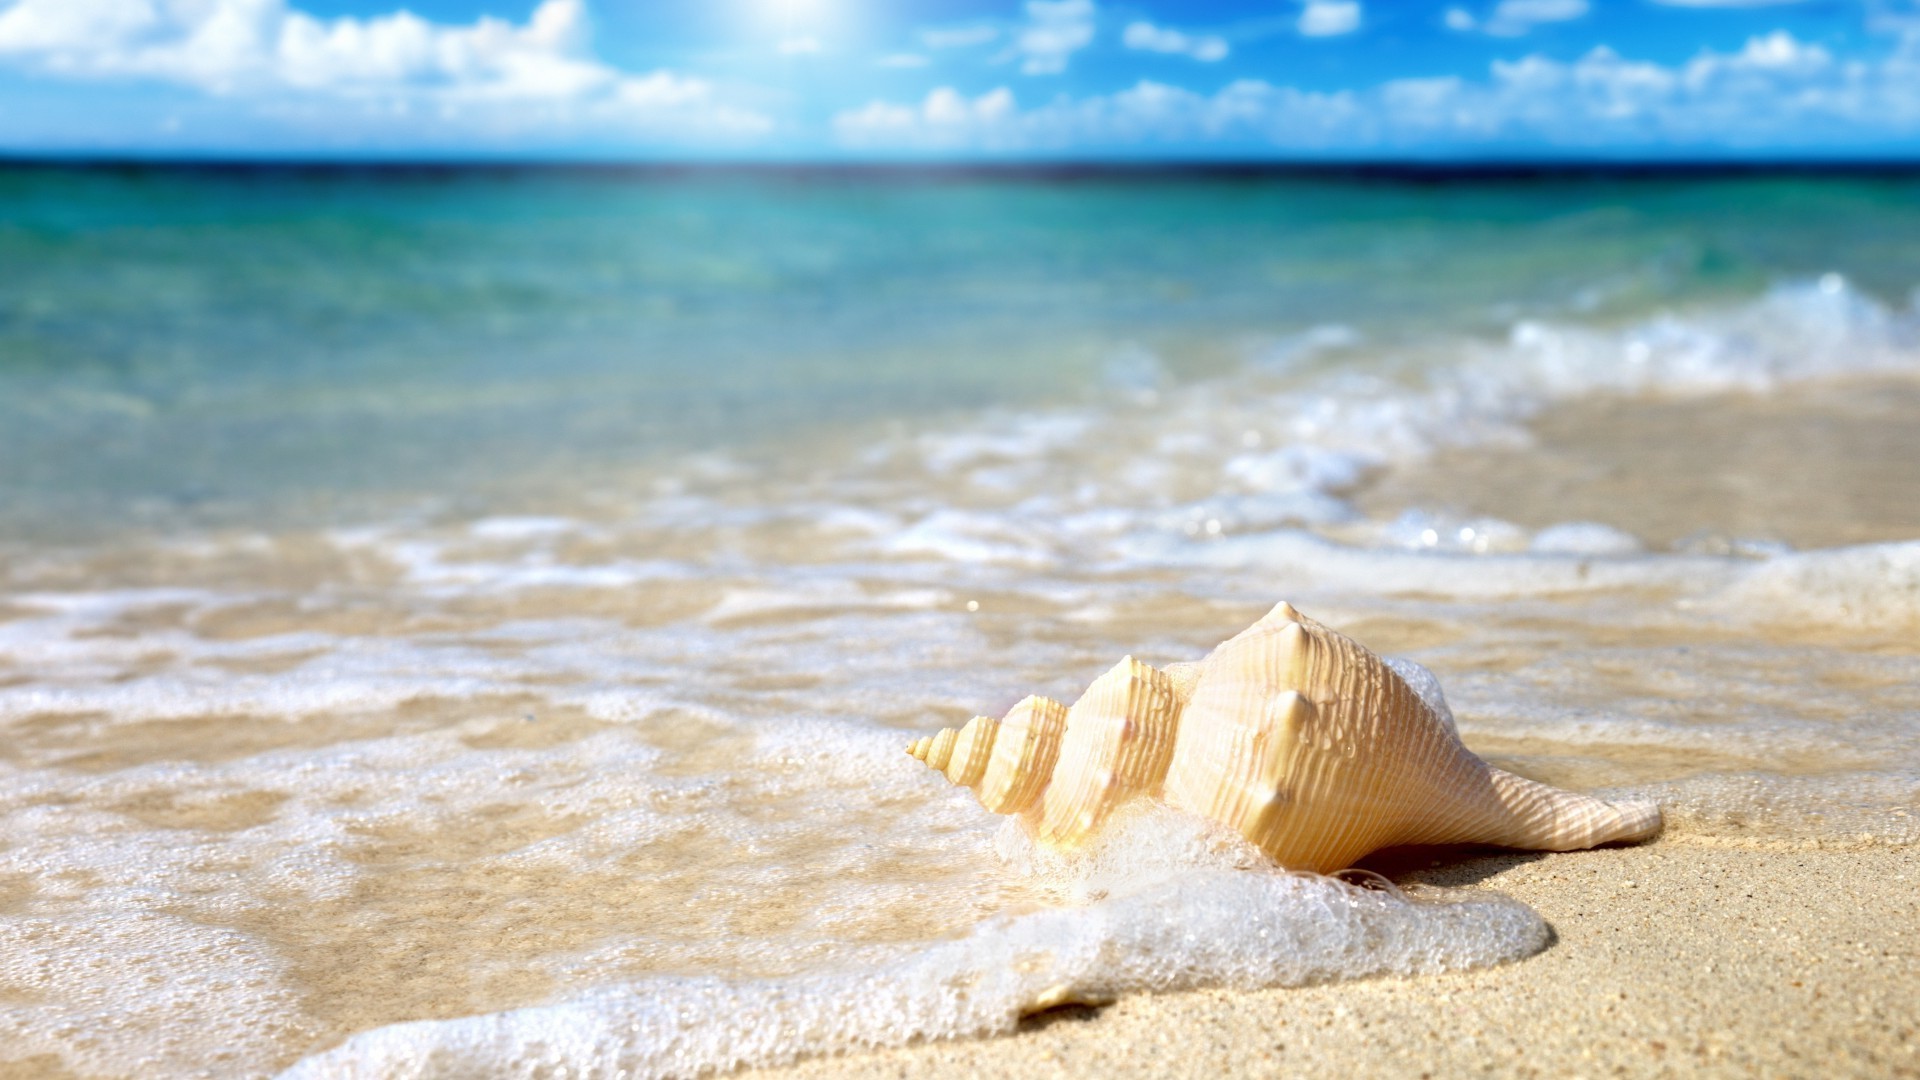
<point>962,79</point>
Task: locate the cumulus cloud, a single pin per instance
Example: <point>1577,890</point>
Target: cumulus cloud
<point>1776,90</point>
<point>1329,18</point>
<point>1512,18</point>
<point>1147,112</point>
<point>945,119</point>
<point>1205,48</point>
<point>1055,30</point>
<point>266,49</point>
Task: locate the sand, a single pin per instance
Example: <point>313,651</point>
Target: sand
<point>1825,465</point>
<point>1669,959</point>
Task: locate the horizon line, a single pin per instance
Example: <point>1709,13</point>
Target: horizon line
<point>1516,166</point>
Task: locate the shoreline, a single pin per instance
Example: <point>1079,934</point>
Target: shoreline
<point>1669,958</point>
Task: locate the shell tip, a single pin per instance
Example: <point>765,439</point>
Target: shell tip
<point>1638,820</point>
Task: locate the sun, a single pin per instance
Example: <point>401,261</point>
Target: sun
<point>796,12</point>
<point>799,16</point>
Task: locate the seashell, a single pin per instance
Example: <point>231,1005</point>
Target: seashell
<point>1296,736</point>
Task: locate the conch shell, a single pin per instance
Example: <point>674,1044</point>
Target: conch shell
<point>1295,736</point>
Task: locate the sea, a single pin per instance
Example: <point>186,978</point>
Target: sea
<point>467,621</point>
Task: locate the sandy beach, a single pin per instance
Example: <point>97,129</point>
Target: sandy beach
<point>402,702</point>
<point>1668,959</point>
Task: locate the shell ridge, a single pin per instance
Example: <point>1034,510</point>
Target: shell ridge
<point>1119,738</point>
<point>1552,819</point>
<point>1024,755</point>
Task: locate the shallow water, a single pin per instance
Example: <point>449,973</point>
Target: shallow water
<point>452,624</point>
<point>1826,465</point>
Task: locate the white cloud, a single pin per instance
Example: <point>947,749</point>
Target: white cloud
<point>957,37</point>
<point>1460,19</point>
<point>1329,18</point>
<point>1205,48</point>
<point>1147,112</point>
<point>1512,18</point>
<point>804,45</point>
<point>1728,3</point>
<point>1774,91</point>
<point>1055,30</point>
<point>946,118</point>
<point>401,62</point>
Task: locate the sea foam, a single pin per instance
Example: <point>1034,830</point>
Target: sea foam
<point>1170,903</point>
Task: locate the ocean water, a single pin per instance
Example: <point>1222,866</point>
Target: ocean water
<point>466,622</point>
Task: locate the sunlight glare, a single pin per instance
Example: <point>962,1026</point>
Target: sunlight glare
<point>790,14</point>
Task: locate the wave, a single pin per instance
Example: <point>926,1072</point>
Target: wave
<point>1192,909</point>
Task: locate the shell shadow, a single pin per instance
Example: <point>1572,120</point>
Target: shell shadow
<point>1070,1013</point>
<point>1451,867</point>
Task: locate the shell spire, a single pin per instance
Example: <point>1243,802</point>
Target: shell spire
<point>1015,756</point>
<point>1294,735</point>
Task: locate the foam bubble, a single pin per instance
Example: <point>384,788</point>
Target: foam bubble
<point>970,537</point>
<point>521,528</point>
<point>1179,906</point>
<point>1307,561</point>
<point>1585,538</point>
<point>1426,684</point>
<point>142,994</point>
<point>1870,587</point>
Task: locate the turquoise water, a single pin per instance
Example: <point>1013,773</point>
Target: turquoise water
<point>209,345</point>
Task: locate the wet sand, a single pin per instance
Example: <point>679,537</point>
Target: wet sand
<point>1822,465</point>
<point>1669,959</point>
